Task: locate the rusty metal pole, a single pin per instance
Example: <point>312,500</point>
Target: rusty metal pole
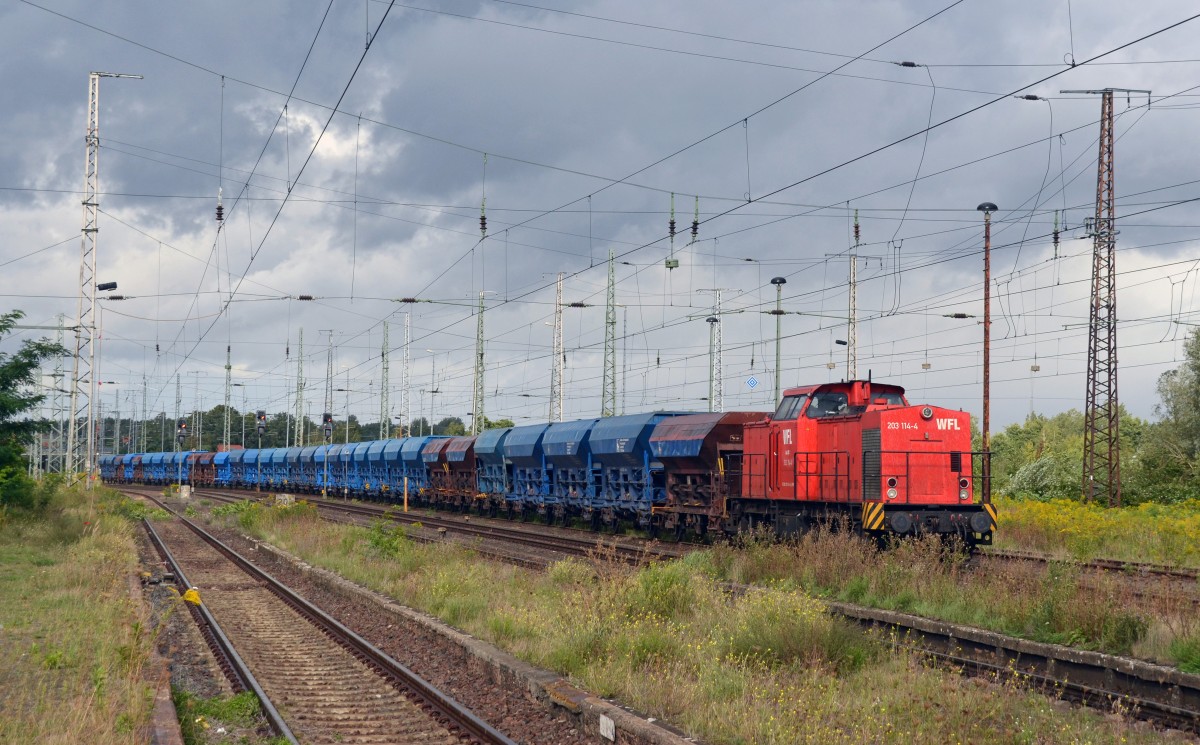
<point>1102,411</point>
<point>987,208</point>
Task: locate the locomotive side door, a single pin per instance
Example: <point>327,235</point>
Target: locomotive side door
<point>782,451</point>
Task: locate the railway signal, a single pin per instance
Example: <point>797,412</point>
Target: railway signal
<point>181,431</point>
<point>261,421</point>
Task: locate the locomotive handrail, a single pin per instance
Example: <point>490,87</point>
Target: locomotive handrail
<point>839,479</point>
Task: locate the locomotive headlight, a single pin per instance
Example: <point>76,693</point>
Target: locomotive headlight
<point>892,481</point>
<point>963,494</point>
<point>963,483</point>
<point>927,413</point>
<point>891,493</point>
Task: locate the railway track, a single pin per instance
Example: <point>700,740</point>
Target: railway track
<point>318,681</point>
<point>1151,692</point>
<point>490,536</point>
<point>1133,568</point>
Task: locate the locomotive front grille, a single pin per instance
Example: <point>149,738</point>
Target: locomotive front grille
<point>872,487</point>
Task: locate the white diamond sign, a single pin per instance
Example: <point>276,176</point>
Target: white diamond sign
<point>752,382</point>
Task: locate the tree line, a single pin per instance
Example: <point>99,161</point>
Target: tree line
<point>1042,457</point>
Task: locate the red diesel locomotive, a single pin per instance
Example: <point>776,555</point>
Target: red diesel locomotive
<point>853,451</point>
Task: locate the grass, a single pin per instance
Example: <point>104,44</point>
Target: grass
<point>1149,532</point>
<point>222,719</point>
<point>74,641</point>
<point>769,666</point>
<point>1054,603</point>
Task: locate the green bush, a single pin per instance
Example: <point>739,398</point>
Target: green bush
<point>1186,651</point>
<point>17,490</point>
<point>661,590</point>
<point>233,508</point>
<point>387,537</point>
<point>570,572</point>
<point>784,627</point>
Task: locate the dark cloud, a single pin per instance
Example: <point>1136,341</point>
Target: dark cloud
<point>560,115</point>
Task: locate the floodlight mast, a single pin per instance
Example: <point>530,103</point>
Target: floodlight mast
<point>84,362</point>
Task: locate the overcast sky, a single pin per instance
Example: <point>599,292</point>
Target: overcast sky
<point>779,116</point>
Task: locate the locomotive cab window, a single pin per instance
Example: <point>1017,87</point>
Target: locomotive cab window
<point>828,404</point>
<point>789,408</point>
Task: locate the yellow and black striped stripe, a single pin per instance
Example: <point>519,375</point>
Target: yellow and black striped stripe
<point>991,510</point>
<point>872,515</point>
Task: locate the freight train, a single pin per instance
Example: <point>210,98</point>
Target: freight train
<point>852,452</point>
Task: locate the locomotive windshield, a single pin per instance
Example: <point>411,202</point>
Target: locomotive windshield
<point>836,403</point>
<point>789,408</point>
<point>828,403</point>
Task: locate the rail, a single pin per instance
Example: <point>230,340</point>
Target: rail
<point>235,668</point>
<point>448,710</point>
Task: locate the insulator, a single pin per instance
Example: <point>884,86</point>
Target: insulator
<point>1056,234</point>
<point>1031,97</point>
<point>671,222</point>
<point>483,224</point>
<point>220,213</point>
<point>907,64</point>
<point>695,228</point>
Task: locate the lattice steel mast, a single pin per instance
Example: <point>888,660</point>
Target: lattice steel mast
<point>145,416</point>
<point>404,383</point>
<point>56,462</point>
<point>556,372</point>
<point>1101,433</point>
<point>83,383</point>
<point>328,379</point>
<point>178,400</point>
<point>228,391</point>
<point>716,362</point>
<point>852,323</point>
<point>608,398</point>
<point>477,388</point>
<point>385,429</point>
<point>301,427</point>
